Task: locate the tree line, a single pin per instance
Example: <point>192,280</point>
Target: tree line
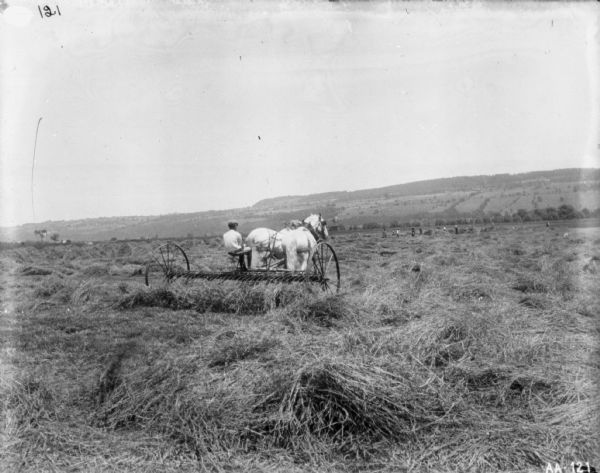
<point>564,212</point>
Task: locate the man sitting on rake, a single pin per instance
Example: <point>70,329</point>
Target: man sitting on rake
<point>235,245</point>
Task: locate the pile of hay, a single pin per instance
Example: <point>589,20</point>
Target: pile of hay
<point>210,296</point>
<point>345,401</point>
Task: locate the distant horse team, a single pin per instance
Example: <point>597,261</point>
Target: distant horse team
<point>293,244</point>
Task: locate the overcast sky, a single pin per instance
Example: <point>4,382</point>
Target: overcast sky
<point>194,106</point>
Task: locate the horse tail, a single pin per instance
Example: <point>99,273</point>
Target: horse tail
<point>290,247</point>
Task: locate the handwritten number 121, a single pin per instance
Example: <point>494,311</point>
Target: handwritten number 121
<point>47,11</point>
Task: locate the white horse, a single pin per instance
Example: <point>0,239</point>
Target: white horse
<point>294,242</point>
<point>297,244</point>
<point>316,225</point>
<point>265,242</point>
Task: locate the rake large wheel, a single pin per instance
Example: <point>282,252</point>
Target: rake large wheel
<point>323,268</point>
<point>169,262</point>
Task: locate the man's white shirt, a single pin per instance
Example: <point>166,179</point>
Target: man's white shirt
<point>232,240</point>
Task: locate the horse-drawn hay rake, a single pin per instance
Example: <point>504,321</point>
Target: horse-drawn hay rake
<point>170,262</point>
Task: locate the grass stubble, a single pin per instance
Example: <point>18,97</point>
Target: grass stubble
<point>443,353</point>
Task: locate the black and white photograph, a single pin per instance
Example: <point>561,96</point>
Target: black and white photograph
<point>299,236</point>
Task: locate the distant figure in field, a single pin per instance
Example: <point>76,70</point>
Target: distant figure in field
<point>456,229</point>
<point>420,230</point>
<point>412,231</point>
<point>547,224</point>
<point>397,233</point>
<point>234,244</point>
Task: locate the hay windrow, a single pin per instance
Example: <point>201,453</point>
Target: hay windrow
<point>240,347</point>
<point>343,400</point>
<point>325,311</point>
<point>35,271</point>
<point>212,297</point>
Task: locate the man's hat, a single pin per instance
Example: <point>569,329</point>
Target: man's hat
<point>232,224</point>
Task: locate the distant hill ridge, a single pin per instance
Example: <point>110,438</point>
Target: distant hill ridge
<point>445,184</point>
<point>426,202</point>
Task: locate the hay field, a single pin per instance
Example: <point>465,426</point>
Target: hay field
<point>469,352</point>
